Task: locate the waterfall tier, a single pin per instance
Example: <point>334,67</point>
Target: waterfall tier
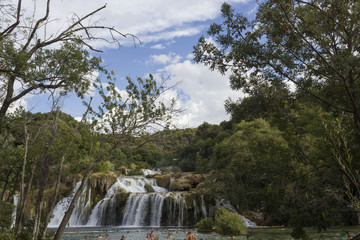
<point>133,202</point>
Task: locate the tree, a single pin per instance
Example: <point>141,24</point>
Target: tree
<point>229,223</point>
<point>311,44</point>
<point>120,116</point>
<point>41,63</point>
<point>255,165</point>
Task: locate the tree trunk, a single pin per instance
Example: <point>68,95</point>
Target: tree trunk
<point>22,186</point>
<point>20,215</point>
<point>53,200</point>
<point>71,208</point>
<point>40,200</point>
<point>7,100</point>
<point>46,169</point>
<point>2,196</point>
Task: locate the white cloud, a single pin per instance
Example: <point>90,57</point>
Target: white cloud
<point>158,46</point>
<point>204,91</point>
<point>92,78</point>
<point>21,103</point>
<point>253,10</point>
<point>190,56</point>
<point>150,20</point>
<point>164,59</point>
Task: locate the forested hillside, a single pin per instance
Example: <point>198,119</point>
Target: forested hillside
<point>289,155</point>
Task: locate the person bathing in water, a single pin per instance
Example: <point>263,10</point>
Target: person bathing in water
<point>190,236</point>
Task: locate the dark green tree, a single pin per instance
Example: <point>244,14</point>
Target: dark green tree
<point>312,45</point>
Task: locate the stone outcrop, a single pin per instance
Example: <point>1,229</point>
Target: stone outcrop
<point>186,182</point>
<point>99,184</point>
<point>163,180</point>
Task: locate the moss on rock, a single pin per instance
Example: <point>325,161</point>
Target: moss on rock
<point>186,182</point>
<point>149,188</point>
<point>163,180</point>
<point>121,198</point>
<point>100,183</point>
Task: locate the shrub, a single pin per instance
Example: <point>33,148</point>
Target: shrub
<point>135,172</point>
<point>6,214</point>
<point>229,223</point>
<point>205,225</point>
<point>299,233</point>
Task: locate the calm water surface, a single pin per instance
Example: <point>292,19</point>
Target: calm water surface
<point>266,233</point>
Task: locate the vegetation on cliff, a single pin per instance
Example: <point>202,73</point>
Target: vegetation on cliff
<point>288,156</point>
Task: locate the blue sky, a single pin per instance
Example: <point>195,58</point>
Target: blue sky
<point>168,30</point>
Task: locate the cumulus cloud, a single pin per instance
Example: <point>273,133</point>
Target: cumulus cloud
<point>164,59</point>
<point>204,93</point>
<point>158,46</point>
<point>151,21</point>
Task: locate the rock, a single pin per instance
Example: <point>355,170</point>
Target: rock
<point>100,183</point>
<point>257,217</point>
<point>163,180</point>
<point>149,188</point>
<point>186,182</point>
<point>121,198</point>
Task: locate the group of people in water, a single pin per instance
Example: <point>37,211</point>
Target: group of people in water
<point>150,236</point>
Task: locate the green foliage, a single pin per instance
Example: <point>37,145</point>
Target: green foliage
<point>6,215</point>
<point>229,223</point>
<point>299,233</point>
<point>205,225</point>
<point>196,155</point>
<point>255,157</point>
<point>104,167</point>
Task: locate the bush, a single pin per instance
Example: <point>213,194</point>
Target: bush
<point>135,172</point>
<point>299,233</point>
<point>104,167</point>
<point>205,225</point>
<point>229,223</point>
<point>6,215</point>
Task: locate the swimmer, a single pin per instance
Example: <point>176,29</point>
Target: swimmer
<point>152,235</point>
<point>100,236</point>
<point>122,238</point>
<point>190,236</point>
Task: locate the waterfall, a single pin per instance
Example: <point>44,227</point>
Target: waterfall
<point>203,207</point>
<point>147,172</point>
<point>195,211</point>
<point>142,203</point>
<point>143,209</point>
<point>82,208</point>
<point>226,204</point>
<point>98,214</point>
<point>61,207</point>
<point>15,201</point>
<point>171,180</point>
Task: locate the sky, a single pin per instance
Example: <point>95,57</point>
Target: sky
<point>168,30</point>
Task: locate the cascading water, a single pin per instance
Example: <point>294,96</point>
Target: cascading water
<point>133,202</point>
<point>203,207</point>
<point>226,204</point>
<point>15,201</point>
<point>143,210</point>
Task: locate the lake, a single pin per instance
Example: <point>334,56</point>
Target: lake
<point>263,233</point>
